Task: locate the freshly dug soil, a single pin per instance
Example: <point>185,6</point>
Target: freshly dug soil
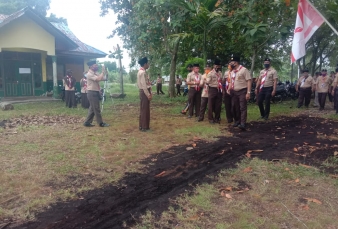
<point>299,140</point>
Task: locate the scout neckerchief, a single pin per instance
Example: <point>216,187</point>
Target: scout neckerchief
<point>228,80</point>
<point>197,79</point>
<point>234,76</point>
<point>303,81</point>
<point>84,80</point>
<point>69,82</point>
<point>323,81</point>
<point>219,81</point>
<point>263,80</point>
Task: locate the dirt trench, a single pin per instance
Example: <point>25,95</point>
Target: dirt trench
<point>300,140</point>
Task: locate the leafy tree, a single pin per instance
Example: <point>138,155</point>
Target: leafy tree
<point>8,7</point>
<point>133,76</point>
<point>54,18</point>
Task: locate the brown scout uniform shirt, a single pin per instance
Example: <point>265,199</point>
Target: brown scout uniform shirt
<point>271,76</point>
<point>307,83</point>
<point>205,86</point>
<point>242,76</point>
<point>212,78</point>
<point>335,81</point>
<point>83,83</point>
<point>142,78</point>
<point>323,84</point>
<point>92,83</point>
<point>178,81</point>
<point>192,78</point>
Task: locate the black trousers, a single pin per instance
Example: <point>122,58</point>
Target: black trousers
<point>178,88</point>
<point>304,94</point>
<point>336,100</point>
<point>214,104</point>
<point>159,88</point>
<point>265,95</point>
<point>322,99</point>
<point>94,108</point>
<point>70,99</point>
<point>84,101</point>
<point>331,98</point>
<point>194,101</point>
<point>227,105</point>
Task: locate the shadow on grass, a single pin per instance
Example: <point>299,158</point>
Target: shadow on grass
<point>177,170</point>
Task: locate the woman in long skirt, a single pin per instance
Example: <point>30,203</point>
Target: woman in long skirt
<point>84,99</point>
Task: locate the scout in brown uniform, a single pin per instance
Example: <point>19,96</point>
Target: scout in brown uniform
<point>305,83</point>
<point>266,87</point>
<point>69,83</point>
<point>83,84</point>
<point>204,97</point>
<point>226,97</point>
<point>316,102</point>
<point>178,85</point>
<point>159,84</point>
<point>145,95</point>
<point>93,94</point>
<point>322,84</point>
<point>214,81</point>
<point>335,91</point>
<point>240,89</point>
<point>332,74</point>
<point>193,79</point>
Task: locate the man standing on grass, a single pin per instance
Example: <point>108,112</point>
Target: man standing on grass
<point>214,81</point>
<point>315,102</point>
<point>204,96</point>
<point>335,91</point>
<point>266,88</point>
<point>240,89</point>
<point>194,93</point>
<point>159,84</point>
<point>93,94</point>
<point>305,83</point>
<point>145,95</point>
<point>178,85</point>
<point>69,83</point>
<point>321,85</point>
<point>226,97</point>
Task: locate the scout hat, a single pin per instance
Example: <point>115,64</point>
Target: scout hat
<point>196,65</point>
<point>91,62</point>
<point>217,62</point>
<point>267,59</point>
<point>143,61</point>
<point>305,70</point>
<point>324,70</point>
<point>235,58</point>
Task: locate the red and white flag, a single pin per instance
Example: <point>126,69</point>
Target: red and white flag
<point>307,22</point>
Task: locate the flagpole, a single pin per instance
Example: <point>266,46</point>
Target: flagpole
<point>327,22</point>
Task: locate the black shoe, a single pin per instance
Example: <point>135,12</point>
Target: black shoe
<point>103,124</point>
<point>200,120</point>
<point>265,118</point>
<point>242,126</point>
<point>235,124</point>
<point>86,124</point>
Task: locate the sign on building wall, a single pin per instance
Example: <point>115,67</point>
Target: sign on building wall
<point>24,71</point>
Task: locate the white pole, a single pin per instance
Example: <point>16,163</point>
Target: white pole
<point>327,22</point>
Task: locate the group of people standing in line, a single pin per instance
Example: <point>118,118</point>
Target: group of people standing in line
<point>322,84</point>
<point>234,89</point>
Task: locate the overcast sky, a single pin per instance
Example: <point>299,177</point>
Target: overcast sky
<point>83,17</point>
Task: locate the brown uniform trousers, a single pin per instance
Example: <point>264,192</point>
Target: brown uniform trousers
<point>194,101</point>
<point>214,104</point>
<point>70,98</point>
<point>204,103</point>
<point>239,106</point>
<point>304,94</point>
<point>94,108</point>
<point>228,109</point>
<point>144,118</point>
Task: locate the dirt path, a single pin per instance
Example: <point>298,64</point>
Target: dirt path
<point>302,140</point>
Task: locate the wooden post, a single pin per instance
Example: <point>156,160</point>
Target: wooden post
<point>121,70</point>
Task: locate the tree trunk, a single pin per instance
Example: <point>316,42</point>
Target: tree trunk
<point>205,47</point>
<point>173,71</point>
<point>253,62</point>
